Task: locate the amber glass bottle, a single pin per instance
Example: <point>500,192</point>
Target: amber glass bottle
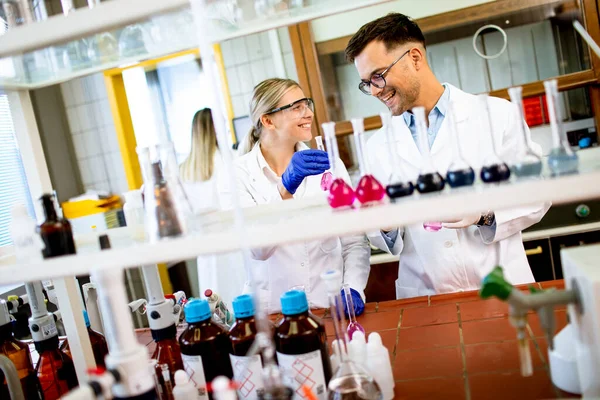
<point>55,369</point>
<point>55,232</point>
<point>167,353</point>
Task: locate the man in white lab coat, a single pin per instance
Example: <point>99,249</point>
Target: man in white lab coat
<point>389,54</point>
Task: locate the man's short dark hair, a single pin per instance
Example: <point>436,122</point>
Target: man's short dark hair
<point>393,30</point>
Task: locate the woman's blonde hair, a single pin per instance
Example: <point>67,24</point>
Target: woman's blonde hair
<point>265,97</point>
<point>199,165</point>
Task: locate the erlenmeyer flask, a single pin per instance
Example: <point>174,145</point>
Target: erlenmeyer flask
<point>460,173</point>
<point>397,186</point>
<point>528,163</point>
<point>369,190</point>
<point>562,160</point>
<point>327,178</point>
<point>493,168</point>
<point>166,206</point>
<point>429,179</point>
<point>350,380</point>
<point>341,194</point>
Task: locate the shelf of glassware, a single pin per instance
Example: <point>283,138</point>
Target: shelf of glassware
<point>121,32</point>
<point>311,218</point>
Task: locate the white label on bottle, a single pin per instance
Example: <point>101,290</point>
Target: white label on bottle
<point>303,370</point>
<point>193,366</point>
<point>49,330</point>
<point>247,372</point>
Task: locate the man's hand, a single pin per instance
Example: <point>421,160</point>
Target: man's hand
<point>460,223</point>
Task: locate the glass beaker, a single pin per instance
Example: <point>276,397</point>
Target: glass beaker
<point>327,178</point>
<point>561,160</point>
<point>397,186</point>
<point>460,173</point>
<point>429,179</point>
<point>368,191</point>
<point>528,163</point>
<point>166,206</point>
<point>350,380</point>
<point>341,194</point>
<point>493,168</point>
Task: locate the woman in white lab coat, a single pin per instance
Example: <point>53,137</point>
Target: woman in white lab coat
<point>223,273</point>
<point>275,165</point>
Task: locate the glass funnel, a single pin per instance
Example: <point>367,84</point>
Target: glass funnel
<point>166,206</point>
<point>493,168</point>
<point>327,178</point>
<point>528,163</point>
<point>350,380</point>
<point>429,179</point>
<point>460,173</point>
<point>397,186</point>
<point>562,160</point>
<point>368,191</point>
<point>341,194</point>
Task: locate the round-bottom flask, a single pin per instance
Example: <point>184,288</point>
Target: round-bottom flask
<point>460,177</point>
<point>495,173</point>
<point>562,162</point>
<point>340,194</point>
<point>430,182</point>
<point>369,190</point>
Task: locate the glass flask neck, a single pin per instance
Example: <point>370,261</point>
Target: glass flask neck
<point>332,147</point>
<point>48,206</point>
<point>555,115</point>
<point>491,157</point>
<point>423,140</point>
<point>359,143</point>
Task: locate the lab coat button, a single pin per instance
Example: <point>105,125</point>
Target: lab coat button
<point>302,264</point>
<point>448,244</point>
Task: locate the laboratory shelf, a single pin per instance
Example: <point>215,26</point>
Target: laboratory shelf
<point>121,32</point>
<point>306,219</point>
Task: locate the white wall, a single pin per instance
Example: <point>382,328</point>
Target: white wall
<point>93,133</point>
<point>345,24</point>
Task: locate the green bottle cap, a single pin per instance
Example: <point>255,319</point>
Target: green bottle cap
<point>494,284</point>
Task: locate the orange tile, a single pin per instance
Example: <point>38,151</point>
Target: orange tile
<point>511,385</point>
<point>560,318</point>
<point>380,320</point>
<point>488,330</point>
<point>319,312</point>
<point>503,356</point>
<point>491,308</point>
<point>428,336</point>
<point>370,308</point>
<point>557,284</point>
<point>543,345</point>
<point>388,338</point>
<point>329,330</point>
<point>453,298</point>
<point>439,388</point>
<point>428,363</point>
<point>429,316</point>
<point>421,301</point>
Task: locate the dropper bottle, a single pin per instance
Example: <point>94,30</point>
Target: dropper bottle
<point>341,194</point>
<point>493,169</point>
<point>460,173</point>
<point>327,178</point>
<point>397,186</point>
<point>562,160</point>
<point>369,191</point>
<point>528,163</point>
<point>429,179</point>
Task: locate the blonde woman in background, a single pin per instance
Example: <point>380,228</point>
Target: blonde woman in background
<point>275,165</point>
<point>224,273</point>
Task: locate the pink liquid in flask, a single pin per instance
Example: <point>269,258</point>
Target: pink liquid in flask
<point>369,190</point>
<point>326,181</point>
<point>340,194</point>
<point>354,327</point>
<point>432,226</point>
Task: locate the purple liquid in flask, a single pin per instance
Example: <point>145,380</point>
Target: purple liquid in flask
<point>432,226</point>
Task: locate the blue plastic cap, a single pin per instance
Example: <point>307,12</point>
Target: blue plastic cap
<point>294,302</point>
<point>196,310</point>
<point>86,318</point>
<point>585,142</point>
<point>243,307</point>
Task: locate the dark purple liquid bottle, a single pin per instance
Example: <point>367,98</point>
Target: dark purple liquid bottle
<point>461,177</point>
<point>400,189</point>
<point>495,173</point>
<point>431,182</point>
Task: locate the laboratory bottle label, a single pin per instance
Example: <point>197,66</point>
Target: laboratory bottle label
<point>193,366</point>
<point>303,369</point>
<point>247,372</point>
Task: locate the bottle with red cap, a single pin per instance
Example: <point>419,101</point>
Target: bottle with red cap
<point>218,308</point>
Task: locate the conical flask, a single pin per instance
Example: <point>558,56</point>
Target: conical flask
<point>350,380</point>
<point>165,203</point>
<point>397,186</point>
<point>528,163</point>
<point>460,173</point>
<point>493,168</point>
<point>341,194</point>
<point>429,179</point>
<point>561,160</point>
<point>368,191</point>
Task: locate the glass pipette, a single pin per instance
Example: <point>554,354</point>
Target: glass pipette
<point>369,190</point>
<point>397,186</point>
<point>528,163</point>
<point>327,178</point>
<point>493,169</point>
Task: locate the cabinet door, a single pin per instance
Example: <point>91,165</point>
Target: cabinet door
<point>540,259</point>
<point>560,242</point>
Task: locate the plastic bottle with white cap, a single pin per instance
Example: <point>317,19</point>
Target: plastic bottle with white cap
<point>357,348</point>
<point>222,389</point>
<point>378,363</point>
<point>184,388</point>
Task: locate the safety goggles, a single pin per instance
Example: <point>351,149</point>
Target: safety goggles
<point>297,109</point>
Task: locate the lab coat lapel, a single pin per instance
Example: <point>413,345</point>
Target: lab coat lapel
<point>405,144</point>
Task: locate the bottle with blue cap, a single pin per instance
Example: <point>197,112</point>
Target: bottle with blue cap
<point>301,344</point>
<point>205,346</point>
<point>242,335</point>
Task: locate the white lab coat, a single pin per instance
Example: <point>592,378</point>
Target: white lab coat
<point>454,260</point>
<point>224,273</point>
<point>277,269</point>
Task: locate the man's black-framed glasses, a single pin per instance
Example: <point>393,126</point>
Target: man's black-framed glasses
<point>298,108</point>
<point>378,80</point>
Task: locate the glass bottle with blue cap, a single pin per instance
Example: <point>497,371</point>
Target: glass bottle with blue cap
<point>205,346</point>
<point>301,344</point>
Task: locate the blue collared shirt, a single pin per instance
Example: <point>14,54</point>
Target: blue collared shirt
<point>436,117</point>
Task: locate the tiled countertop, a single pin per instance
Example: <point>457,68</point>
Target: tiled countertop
<point>455,346</point>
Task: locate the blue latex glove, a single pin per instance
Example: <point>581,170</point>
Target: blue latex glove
<point>303,164</point>
<point>359,305</point>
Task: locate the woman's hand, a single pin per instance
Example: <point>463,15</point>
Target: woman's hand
<point>359,305</point>
<point>303,164</point>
